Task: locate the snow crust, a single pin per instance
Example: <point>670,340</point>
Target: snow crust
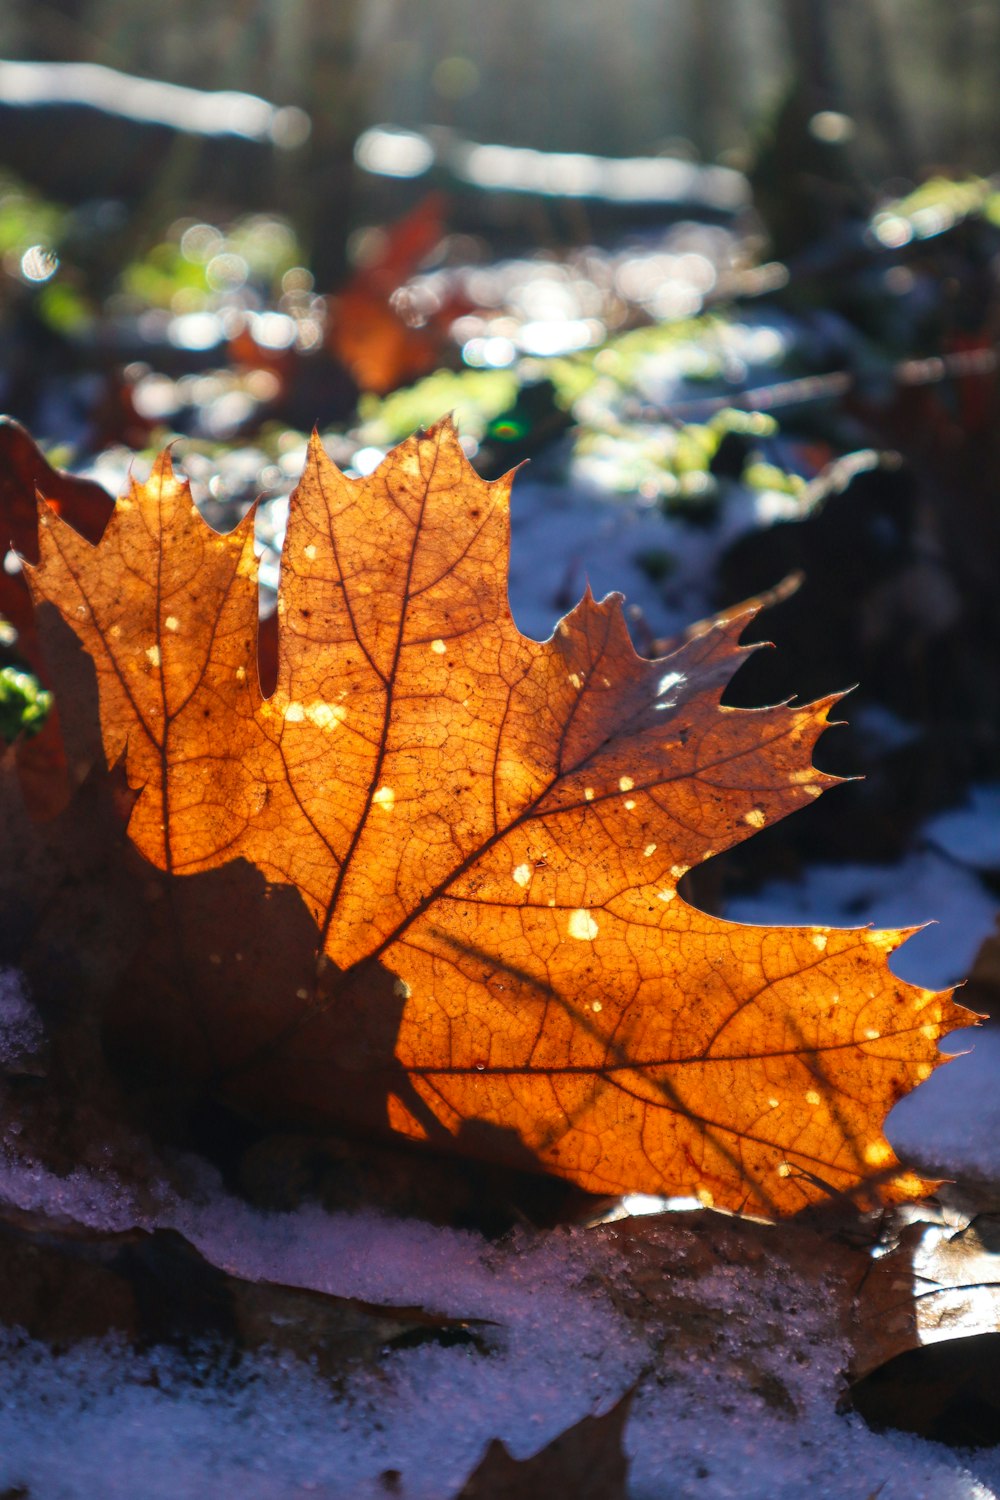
<point>101,1419</point>
<point>951,1124</point>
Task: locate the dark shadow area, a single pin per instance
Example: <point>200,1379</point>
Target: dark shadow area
<point>947,1392</point>
<point>887,610</point>
<point>194,1010</point>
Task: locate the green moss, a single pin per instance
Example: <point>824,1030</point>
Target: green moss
<point>764,476</point>
<point>746,423</point>
<point>477,398</point>
<point>161,274</point>
<point>946,197</point>
<point>64,310</point>
<point>24,704</point>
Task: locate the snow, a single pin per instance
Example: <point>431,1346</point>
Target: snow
<point>158,1425</point>
<point>558,1352</point>
<point>711,1440</point>
<point>970,834</point>
<point>564,537</point>
<point>950,1126</point>
<point>20,1023</point>
<point>561,541</point>
<point>93,1199</point>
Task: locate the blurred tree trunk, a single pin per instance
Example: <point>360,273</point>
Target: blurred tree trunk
<point>713,23</point>
<point>958,51</point>
<point>808,24</point>
<point>882,104</point>
<point>805,183</point>
<point>320,58</point>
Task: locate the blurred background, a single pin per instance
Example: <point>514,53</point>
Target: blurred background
<point>725,270</point>
<point>788,120</point>
<point>918,77</point>
<point>691,79</point>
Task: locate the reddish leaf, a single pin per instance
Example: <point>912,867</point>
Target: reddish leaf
<point>24,470</point>
<point>24,473</point>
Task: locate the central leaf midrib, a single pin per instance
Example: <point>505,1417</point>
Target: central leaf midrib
<point>390,681</point>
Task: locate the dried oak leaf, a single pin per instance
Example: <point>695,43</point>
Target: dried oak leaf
<point>62,1281</point>
<point>586,1461</point>
<point>926,1334</point>
<point>488,832</point>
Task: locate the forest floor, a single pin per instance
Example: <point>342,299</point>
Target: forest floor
<point>701,427</point>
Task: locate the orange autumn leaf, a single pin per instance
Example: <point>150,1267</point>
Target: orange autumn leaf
<point>488,833</point>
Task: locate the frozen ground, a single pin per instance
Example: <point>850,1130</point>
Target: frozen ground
<point>99,1419</point>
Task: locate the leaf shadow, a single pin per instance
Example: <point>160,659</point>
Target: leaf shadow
<point>618,1061</point>
<point>228,996</point>
<point>212,983</point>
<point>207,996</point>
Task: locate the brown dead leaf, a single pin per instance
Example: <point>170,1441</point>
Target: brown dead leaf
<point>62,1282</point>
<point>587,1461</point>
<point>24,470</point>
<point>983,986</point>
<point>925,1334</point>
<point>937,1284</point>
<point>487,833</point>
<point>71,913</point>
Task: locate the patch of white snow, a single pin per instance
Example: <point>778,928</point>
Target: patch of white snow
<point>21,1032</point>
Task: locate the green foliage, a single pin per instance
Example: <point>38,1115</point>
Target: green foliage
<point>64,310</point>
<point>24,704</point>
<point>195,264</point>
<point>161,274</point>
<point>25,220</point>
<point>935,206</point>
<point>476,397</point>
<point>764,476</point>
